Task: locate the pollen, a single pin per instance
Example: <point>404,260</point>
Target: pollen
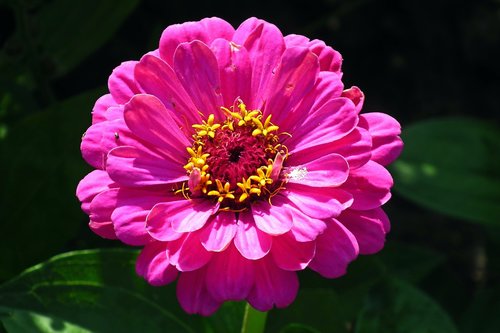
<point>235,161</point>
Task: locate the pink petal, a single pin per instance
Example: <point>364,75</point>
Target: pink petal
<point>273,286</point>
<point>355,147</point>
<point>153,265</point>
<point>306,228</point>
<point>385,130</point>
<point>230,276</point>
<point>179,216</point>
<point>274,219</point>
<point>327,87</point>
<point>149,119</point>
<point>249,240</point>
<point>100,138</point>
<point>218,232</point>
<point>368,228</point>
<point>100,107</point>
<point>121,82</point>
<point>196,67</point>
<point>265,45</point>
<point>369,185</point>
<point>205,30</point>
<point>234,69</point>
<point>325,171</point>
<point>92,184</point>
<point>330,60</point>
<point>332,121</point>
<point>335,249</point>
<point>187,253</point>
<point>356,96</point>
<point>130,166</point>
<point>193,294</point>
<point>291,255</point>
<point>157,78</point>
<point>293,78</point>
<point>129,217</point>
<point>318,202</point>
<point>101,208</point>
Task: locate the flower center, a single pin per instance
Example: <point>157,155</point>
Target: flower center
<point>237,161</point>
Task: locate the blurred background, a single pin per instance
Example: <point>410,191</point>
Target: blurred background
<point>433,65</point>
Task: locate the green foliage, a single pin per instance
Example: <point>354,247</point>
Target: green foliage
<point>452,166</point>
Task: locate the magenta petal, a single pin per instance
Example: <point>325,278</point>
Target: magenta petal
<point>198,71</point>
<point>249,240</point>
<point>103,229</point>
<point>306,228</point>
<point>100,107</point>
<point>149,119</point>
<point>325,171</point>
<point>205,30</point>
<point>153,265</point>
<point>274,219</point>
<point>193,294</point>
<point>329,59</point>
<point>293,78</point>
<point>101,208</point>
<point>356,96</point>
<point>230,276</point>
<point>159,79</point>
<point>129,217</point>
<point>265,45</point>
<point>121,82</point>
<point>179,216</point>
<point>273,286</point>
<point>218,232</point>
<point>385,130</point>
<point>92,184</point>
<point>318,202</point>
<point>368,228</point>
<point>234,69</point>
<point>291,255</point>
<point>187,253</point>
<point>369,185</point>
<point>130,166</point>
<point>335,249</point>
<point>332,121</point>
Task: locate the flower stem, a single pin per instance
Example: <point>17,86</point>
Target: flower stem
<point>254,321</point>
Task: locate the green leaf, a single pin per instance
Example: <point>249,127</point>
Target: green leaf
<point>41,167</point>
<point>227,319</point>
<point>69,31</point>
<point>396,306</point>
<point>89,291</point>
<point>409,262</point>
<point>482,314</point>
<point>452,166</point>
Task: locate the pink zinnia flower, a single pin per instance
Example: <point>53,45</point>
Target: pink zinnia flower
<point>236,158</point>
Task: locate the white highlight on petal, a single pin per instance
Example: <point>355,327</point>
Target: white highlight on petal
<point>296,173</point>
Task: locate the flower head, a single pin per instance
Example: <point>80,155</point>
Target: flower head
<point>236,158</point>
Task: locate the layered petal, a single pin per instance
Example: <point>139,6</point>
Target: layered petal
<point>368,226</point>
<point>205,31</point>
<point>236,282</point>
<point>193,294</point>
<point>187,254</point>
<point>218,232</point>
<point>101,105</point>
<point>153,265</point>
<point>274,218</point>
<point>325,171</point>
<point>250,241</point>
<point>291,255</point>
<point>273,286</point>
<point>369,185</point>
<point>385,130</point>
<point>335,249</point>
<point>92,184</point>
<point>101,208</point>
<point>121,83</point>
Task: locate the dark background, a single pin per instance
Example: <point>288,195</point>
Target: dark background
<point>420,61</point>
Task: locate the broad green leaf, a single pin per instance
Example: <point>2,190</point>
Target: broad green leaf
<point>69,31</point>
<point>89,291</point>
<point>410,262</point>
<point>482,315</point>
<point>41,167</point>
<point>396,306</point>
<point>452,166</point>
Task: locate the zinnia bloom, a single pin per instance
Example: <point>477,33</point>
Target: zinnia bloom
<point>236,158</point>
